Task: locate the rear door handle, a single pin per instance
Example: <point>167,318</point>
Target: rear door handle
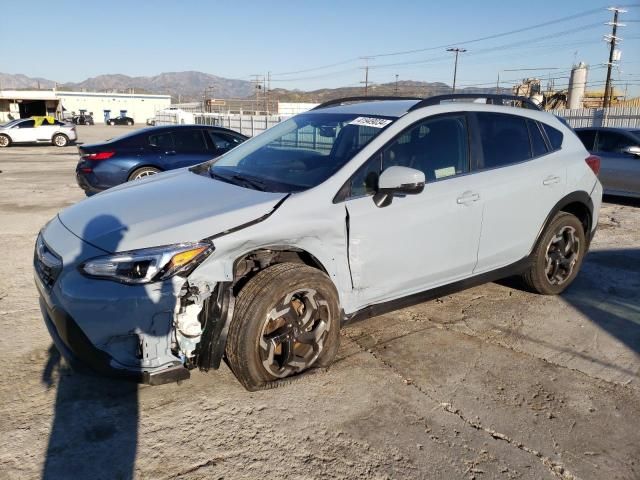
<point>467,198</point>
<point>170,152</point>
<point>551,180</point>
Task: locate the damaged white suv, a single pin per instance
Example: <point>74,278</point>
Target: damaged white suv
<point>358,207</point>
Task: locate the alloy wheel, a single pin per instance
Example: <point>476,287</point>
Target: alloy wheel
<point>562,255</point>
<point>294,332</point>
<point>144,173</point>
<point>4,141</point>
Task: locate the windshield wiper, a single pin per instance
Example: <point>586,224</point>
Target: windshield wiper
<point>237,179</point>
<point>252,182</point>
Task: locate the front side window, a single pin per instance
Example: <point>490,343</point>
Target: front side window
<point>189,141</point>
<point>300,153</point>
<point>223,142</point>
<point>613,142</point>
<point>436,146</point>
<point>26,124</point>
<point>504,138</point>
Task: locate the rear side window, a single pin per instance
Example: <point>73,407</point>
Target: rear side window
<point>504,138</point>
<point>161,140</point>
<point>554,135</point>
<point>587,137</point>
<point>189,141</point>
<point>538,145</point>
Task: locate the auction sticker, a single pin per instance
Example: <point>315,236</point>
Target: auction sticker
<point>370,122</point>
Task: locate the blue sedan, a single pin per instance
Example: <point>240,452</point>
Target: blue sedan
<point>149,151</point>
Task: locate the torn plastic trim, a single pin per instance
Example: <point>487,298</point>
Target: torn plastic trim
<point>252,222</point>
<point>187,327</point>
<point>215,318</point>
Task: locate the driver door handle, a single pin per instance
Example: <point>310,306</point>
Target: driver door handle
<point>467,198</point>
<point>170,152</point>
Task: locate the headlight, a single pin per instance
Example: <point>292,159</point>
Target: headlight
<point>148,264</point>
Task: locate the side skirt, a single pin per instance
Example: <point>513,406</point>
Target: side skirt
<point>381,308</point>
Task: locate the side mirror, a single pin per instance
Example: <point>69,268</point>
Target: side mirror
<point>398,181</point>
<point>633,150</point>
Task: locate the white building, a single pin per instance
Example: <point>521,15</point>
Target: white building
<point>27,103</point>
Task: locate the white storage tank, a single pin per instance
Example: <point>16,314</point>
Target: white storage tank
<point>577,85</point>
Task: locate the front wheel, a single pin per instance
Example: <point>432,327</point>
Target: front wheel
<point>60,140</point>
<point>5,141</point>
<point>557,256</point>
<point>286,320</point>
<point>129,122</point>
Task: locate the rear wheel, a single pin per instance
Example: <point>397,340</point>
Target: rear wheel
<point>557,256</point>
<point>111,122</point>
<point>5,141</point>
<point>286,320</point>
<point>60,140</point>
<point>143,172</point>
<point>129,122</point>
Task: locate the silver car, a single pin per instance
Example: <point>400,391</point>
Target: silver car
<point>37,130</point>
<point>353,209</point>
<point>619,151</point>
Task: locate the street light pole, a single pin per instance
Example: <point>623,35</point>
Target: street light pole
<point>455,66</point>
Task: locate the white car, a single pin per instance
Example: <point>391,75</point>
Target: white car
<point>259,256</point>
<point>34,130</point>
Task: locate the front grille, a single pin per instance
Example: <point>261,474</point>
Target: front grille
<point>46,263</point>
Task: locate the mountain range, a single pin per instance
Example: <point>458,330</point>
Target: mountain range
<point>191,86</point>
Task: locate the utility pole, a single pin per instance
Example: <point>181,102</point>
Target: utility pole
<point>612,39</point>
<point>457,51</point>
<point>268,92</point>
<point>257,85</point>
<point>396,89</point>
<point>366,74</point>
<point>498,83</point>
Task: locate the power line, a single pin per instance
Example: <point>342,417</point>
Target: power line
<point>497,35</point>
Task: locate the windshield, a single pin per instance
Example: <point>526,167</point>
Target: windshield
<point>12,122</point>
<point>299,153</point>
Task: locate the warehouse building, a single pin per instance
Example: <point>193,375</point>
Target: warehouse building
<point>62,104</point>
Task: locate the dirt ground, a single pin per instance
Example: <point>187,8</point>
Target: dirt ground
<point>492,382</point>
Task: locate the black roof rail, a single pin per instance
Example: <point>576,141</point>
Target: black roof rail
<point>492,99</point>
<point>341,101</point>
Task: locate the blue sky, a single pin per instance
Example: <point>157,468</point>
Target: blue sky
<point>237,39</point>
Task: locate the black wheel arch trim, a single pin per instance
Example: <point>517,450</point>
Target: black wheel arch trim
<point>580,197</point>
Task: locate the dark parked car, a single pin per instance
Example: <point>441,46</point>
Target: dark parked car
<point>148,151</point>
<point>619,150</point>
<point>82,120</point>
<point>121,121</point>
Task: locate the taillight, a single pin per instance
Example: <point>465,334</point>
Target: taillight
<point>98,155</point>
<point>594,163</point>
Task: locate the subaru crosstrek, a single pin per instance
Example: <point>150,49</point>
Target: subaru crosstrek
<point>353,209</point>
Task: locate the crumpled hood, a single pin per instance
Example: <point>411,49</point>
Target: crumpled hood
<point>167,208</point>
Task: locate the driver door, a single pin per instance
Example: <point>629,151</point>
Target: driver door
<point>418,241</point>
<point>23,132</point>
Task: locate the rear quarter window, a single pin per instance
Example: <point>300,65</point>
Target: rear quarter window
<point>554,136</point>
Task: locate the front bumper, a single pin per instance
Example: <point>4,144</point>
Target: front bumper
<point>114,329</point>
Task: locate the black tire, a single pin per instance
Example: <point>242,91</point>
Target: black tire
<point>143,172</point>
<point>5,141</point>
<point>112,123</point>
<point>130,122</point>
<point>251,350</point>
<point>60,140</point>
<point>558,255</point>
